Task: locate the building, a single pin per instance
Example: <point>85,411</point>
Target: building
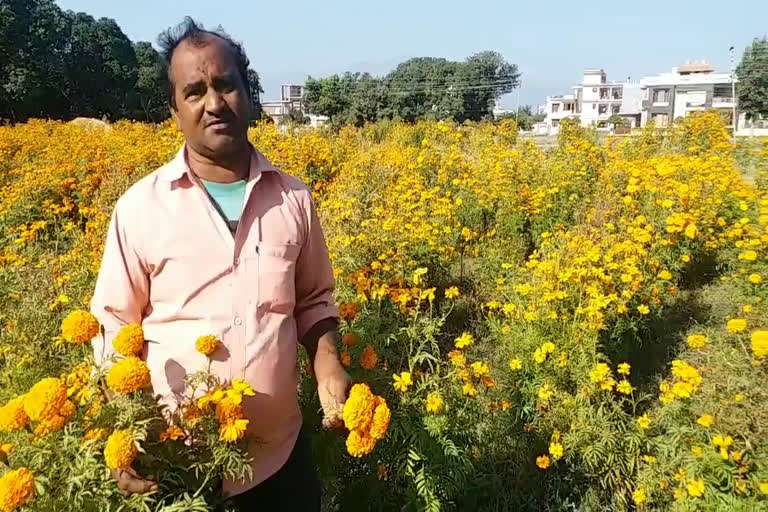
<point>594,101</point>
<point>291,100</point>
<point>691,87</point>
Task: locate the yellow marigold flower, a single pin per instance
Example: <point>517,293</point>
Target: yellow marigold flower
<point>542,461</point>
<point>369,358</point>
<point>120,450</point>
<point>749,255</point>
<point>736,325</point>
<point>722,441</point>
<point>402,381</point>
<point>556,450</point>
<point>639,496</point>
<point>45,399</point>
<point>678,494</point>
<point>213,396</point>
<point>360,444</point>
<point>643,309</point>
<point>238,389</point>
<point>129,340</point>
<point>755,278</point>
<point>233,431</point>
<point>50,425</point>
<point>548,347</point>
<point>95,434</point>
<point>666,275</point>
<point>705,420</point>
<point>685,258</point>
<point>469,389</point>
<point>457,358</point>
<point>464,340</point>
<point>599,372</point>
<point>624,387</point>
<point>545,393</point>
<point>697,341</point>
<point>695,488</point>
<point>451,293</point>
<point>434,402</point>
<point>381,417</point>
<point>644,421</point>
<point>515,364</point>
<point>207,344</point>
<point>359,407</point>
<point>763,486</point>
<point>17,487</point>
<point>12,415</point>
<point>623,368</point>
<point>607,384</point>
<point>697,451</point>
<point>128,376</point>
<point>649,459</point>
<point>228,411</point>
<point>738,397</point>
<point>480,368</point>
<point>79,327</point>
<point>690,231</point>
<point>759,343</point>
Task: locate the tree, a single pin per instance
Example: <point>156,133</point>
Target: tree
<point>524,117</point>
<point>487,76</point>
<point>151,84</point>
<point>254,84</point>
<point>752,73</point>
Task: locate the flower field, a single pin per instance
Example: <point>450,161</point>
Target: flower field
<point>582,327</point>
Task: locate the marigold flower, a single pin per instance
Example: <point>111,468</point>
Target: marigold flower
<point>469,389</point>
<point>695,488</point>
<point>129,340</point>
<point>381,417</point>
<point>705,420</point>
<point>759,343</point>
<point>515,364</point>
<point>17,487</point>
<point>736,325</point>
<point>599,373</point>
<point>452,292</point>
<point>666,275</point>
<point>238,389</point>
<point>697,341</point>
<point>644,421</point>
<point>643,309</point>
<point>50,425</point>
<point>556,450</point>
<point>45,399</point>
<point>128,376</point>
<point>755,278</point>
<point>350,339</point>
<point>434,402</point>
<point>624,387</point>
<point>464,340</point>
<point>623,369</point>
<point>207,344</point>
<point>233,431</point>
<point>369,358</point>
<point>120,450</point>
<point>360,444</point>
<point>79,327</point>
<point>639,496</point>
<point>172,433</point>
<point>480,368</point>
<point>345,358</point>
<point>12,415</point>
<point>95,434</point>
<point>542,461</point>
<point>359,407</point>
<point>402,381</point>
<point>457,358</point>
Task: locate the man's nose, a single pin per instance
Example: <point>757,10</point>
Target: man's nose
<point>214,102</point>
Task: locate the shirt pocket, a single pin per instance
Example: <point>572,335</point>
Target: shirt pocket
<point>274,269</point>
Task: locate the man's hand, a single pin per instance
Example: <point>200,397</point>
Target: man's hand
<point>129,482</point>
<point>333,385</point>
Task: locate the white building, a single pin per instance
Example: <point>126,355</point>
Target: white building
<point>559,108</point>
<point>291,100</point>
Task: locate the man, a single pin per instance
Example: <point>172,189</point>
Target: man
<point>218,241</point>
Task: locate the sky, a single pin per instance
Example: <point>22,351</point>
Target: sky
<point>550,41</point>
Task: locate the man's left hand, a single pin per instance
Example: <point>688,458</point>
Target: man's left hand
<point>333,385</point>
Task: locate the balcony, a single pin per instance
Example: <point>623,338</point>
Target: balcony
<point>722,101</point>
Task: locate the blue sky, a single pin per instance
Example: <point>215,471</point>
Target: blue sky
<point>551,41</point>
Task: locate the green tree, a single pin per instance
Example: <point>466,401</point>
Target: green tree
<point>254,84</point>
<point>150,84</point>
<point>524,117</point>
<point>752,73</point>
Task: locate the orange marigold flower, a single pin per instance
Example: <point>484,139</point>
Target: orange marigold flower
<point>359,407</point>
<point>128,376</point>
<point>17,487</point>
<point>12,415</point>
<point>129,340</point>
<point>79,327</point>
<point>350,339</point>
<point>381,417</point>
<point>120,450</point>
<point>369,358</point>
<point>45,399</point>
<point>95,434</point>
<point>206,345</point>
<point>173,433</point>
<point>360,443</point>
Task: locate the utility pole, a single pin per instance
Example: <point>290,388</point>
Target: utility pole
<point>517,108</point>
<point>733,94</point>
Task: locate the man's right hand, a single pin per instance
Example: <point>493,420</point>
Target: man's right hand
<point>129,482</point>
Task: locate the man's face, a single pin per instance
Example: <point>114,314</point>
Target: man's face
<point>212,106</point>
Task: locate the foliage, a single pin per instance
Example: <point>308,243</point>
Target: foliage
<point>752,73</point>
<point>577,328</point>
<point>524,117</point>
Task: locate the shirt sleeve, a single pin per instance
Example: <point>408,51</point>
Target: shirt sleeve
<point>122,287</point>
<point>314,277</point>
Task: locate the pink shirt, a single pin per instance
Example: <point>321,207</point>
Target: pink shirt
<point>171,264</point>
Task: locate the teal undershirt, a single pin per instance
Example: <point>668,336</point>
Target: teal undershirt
<point>228,199</point>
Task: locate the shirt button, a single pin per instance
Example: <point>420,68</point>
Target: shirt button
<point>238,320</point>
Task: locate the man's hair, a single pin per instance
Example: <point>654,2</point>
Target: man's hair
<point>197,35</point>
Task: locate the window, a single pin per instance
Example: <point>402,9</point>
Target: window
<point>603,93</point>
<point>660,120</point>
<point>660,96</point>
<point>603,109</point>
<point>617,93</point>
<point>615,109</point>
<point>567,107</point>
<point>555,122</point>
<point>594,106</point>
<point>555,107</point>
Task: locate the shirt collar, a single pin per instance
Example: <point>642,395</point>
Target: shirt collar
<point>177,168</point>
